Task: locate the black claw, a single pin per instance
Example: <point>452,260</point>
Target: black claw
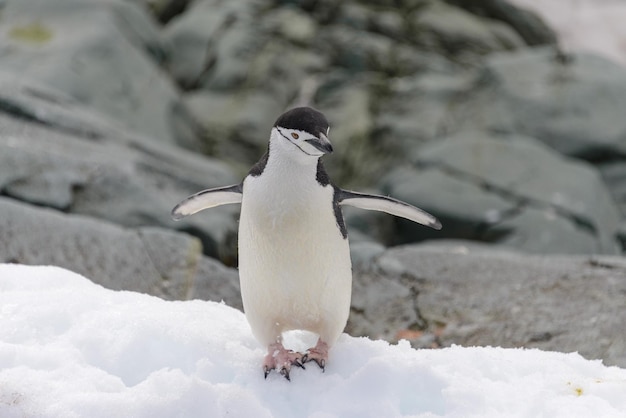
<point>305,358</point>
<point>299,364</point>
<point>285,373</point>
<point>266,371</point>
<point>321,363</point>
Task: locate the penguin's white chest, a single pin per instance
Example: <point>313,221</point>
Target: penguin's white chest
<point>294,263</point>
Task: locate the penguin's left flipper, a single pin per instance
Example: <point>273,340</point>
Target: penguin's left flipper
<point>206,199</point>
<point>388,205</point>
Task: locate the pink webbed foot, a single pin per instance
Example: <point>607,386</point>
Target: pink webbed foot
<point>318,354</point>
<point>278,357</point>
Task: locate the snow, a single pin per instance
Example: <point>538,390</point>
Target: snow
<point>585,25</point>
<point>70,348</point>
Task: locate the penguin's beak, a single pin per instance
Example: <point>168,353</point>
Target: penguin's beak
<point>321,143</point>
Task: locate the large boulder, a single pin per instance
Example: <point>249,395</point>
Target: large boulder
<point>76,162</point>
<point>462,293</point>
<point>418,109</point>
<point>460,34</point>
<point>196,34</point>
<point>570,102</point>
<point>105,55</point>
<point>512,190</point>
<point>151,260</point>
<point>526,23</point>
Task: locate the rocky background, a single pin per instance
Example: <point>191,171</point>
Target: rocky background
<point>112,111</point>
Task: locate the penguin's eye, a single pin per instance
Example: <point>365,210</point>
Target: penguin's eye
<point>295,135</point>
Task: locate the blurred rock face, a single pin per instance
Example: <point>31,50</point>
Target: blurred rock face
<point>112,111</point>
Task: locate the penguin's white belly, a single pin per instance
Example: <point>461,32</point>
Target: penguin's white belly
<point>294,265</point>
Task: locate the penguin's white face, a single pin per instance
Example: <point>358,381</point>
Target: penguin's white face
<point>296,140</point>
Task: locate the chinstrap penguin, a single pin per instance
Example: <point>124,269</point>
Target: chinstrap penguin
<point>294,262</point>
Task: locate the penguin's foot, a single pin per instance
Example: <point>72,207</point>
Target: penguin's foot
<point>318,354</point>
<point>278,357</point>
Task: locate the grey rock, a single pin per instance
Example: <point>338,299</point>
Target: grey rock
<point>347,102</point>
<point>103,54</point>
<point>502,187</point>
<point>463,206</point>
<point>363,253</point>
<point>572,103</point>
<point>293,24</point>
<point>462,293</point>
<point>614,176</point>
<point>526,23</point>
<point>419,108</point>
<point>460,34</point>
<point>134,184</point>
<point>193,35</point>
<point>30,101</point>
<point>233,46</point>
<point>156,261</point>
<point>380,308</point>
<point>543,230</point>
<point>236,126</point>
<point>323,11</point>
<point>216,282</point>
<point>247,56</point>
<point>164,10</point>
<point>385,21</point>
<point>359,51</point>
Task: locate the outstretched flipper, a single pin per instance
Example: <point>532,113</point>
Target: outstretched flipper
<point>388,205</point>
<point>206,199</point>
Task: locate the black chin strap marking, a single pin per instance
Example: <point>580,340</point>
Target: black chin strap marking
<point>290,141</point>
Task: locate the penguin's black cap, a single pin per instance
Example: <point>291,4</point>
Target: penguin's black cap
<point>304,119</point>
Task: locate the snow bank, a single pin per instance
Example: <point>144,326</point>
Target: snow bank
<point>70,348</point>
<point>589,25</point>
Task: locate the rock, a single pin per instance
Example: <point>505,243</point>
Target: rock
<point>249,57</point>
<point>348,105</point>
<point>511,190</point>
<point>389,22</point>
<point>216,282</point>
<point>363,253</point>
<point>463,293</point>
<point>614,176</point>
<point>323,11</point>
<point>236,126</point>
<point>29,101</point>
<point>165,10</point>
<point>419,109</point>
<point>463,206</point>
<point>193,35</point>
<point>359,51</point>
<point>571,103</point>
<point>459,34</point>
<point>150,260</point>
<point>293,25</point>
<point>103,54</point>
<point>228,48</point>
<point>526,23</point>
<point>133,184</point>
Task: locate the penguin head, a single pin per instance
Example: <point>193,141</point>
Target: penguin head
<point>302,131</point>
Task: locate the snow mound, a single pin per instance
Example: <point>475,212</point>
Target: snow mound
<point>70,348</point>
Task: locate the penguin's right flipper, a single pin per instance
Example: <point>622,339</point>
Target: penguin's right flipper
<point>206,199</point>
<point>388,205</point>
